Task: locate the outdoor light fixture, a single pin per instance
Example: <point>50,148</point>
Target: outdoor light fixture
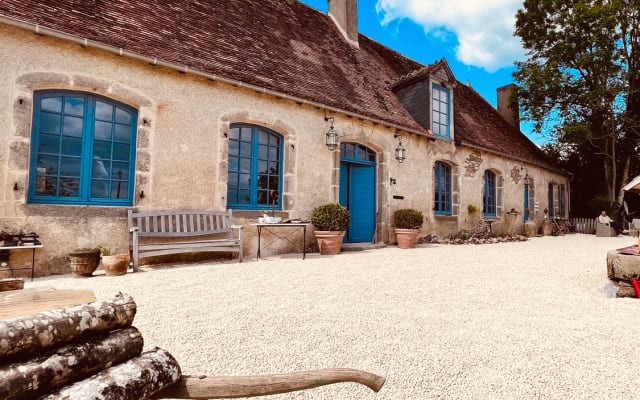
<point>400,150</point>
<point>331,137</point>
<point>527,179</point>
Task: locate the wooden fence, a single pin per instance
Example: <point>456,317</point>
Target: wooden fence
<point>584,225</point>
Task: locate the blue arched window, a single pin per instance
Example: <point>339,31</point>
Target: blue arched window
<point>490,198</point>
<point>255,168</point>
<point>442,190</point>
<point>83,150</point>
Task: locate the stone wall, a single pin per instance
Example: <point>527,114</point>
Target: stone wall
<point>183,122</point>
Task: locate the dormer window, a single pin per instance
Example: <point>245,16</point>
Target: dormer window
<point>440,111</point>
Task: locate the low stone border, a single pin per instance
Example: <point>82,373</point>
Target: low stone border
<point>474,240</point>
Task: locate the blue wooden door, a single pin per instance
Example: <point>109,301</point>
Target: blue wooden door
<point>358,193</point>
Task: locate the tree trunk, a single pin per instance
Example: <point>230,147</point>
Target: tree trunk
<point>31,334</point>
<point>138,378</point>
<point>226,387</point>
<point>71,363</point>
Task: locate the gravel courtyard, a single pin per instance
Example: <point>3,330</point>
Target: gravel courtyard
<point>522,320</point>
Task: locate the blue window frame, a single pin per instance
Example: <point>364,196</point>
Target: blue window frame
<point>440,106</point>
<point>83,150</point>
<point>490,203</point>
<point>255,168</point>
<point>442,179</point>
<point>552,211</point>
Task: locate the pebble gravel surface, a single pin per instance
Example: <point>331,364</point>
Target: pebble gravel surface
<point>518,320</point>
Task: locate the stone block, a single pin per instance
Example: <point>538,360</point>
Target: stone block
<point>622,266</point>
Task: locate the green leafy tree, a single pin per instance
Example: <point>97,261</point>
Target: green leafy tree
<point>581,84</point>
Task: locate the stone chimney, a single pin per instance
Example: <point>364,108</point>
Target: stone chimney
<point>511,114</point>
<point>345,15</point>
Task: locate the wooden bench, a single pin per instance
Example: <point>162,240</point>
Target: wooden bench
<point>156,233</point>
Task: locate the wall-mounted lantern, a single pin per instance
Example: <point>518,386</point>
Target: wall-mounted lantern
<point>401,152</point>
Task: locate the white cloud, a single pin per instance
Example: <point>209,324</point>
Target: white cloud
<point>484,29</point>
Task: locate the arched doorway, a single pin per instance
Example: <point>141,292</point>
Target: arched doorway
<point>358,190</point>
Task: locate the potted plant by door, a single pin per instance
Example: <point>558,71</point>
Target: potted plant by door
<point>331,221</point>
<point>114,265</point>
<point>84,262</point>
<point>407,222</point>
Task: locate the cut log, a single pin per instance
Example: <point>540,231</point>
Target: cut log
<point>44,374</point>
<point>226,387</point>
<point>31,301</point>
<point>32,334</point>
<point>11,284</point>
<point>138,378</point>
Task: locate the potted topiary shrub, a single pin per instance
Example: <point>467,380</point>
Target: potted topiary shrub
<point>407,222</point>
<point>331,221</point>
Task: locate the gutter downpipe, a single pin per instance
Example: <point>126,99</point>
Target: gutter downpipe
<point>39,30</point>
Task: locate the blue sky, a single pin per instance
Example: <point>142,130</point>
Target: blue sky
<point>475,37</point>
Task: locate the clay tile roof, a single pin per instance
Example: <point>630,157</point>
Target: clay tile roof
<point>280,45</point>
<point>477,123</point>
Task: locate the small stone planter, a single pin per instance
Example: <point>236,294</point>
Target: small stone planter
<point>84,262</point>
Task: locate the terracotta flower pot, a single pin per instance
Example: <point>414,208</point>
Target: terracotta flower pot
<point>329,242</point>
<point>115,265</point>
<point>406,238</point>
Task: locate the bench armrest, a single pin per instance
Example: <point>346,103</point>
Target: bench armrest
<point>133,229</point>
<point>237,226</point>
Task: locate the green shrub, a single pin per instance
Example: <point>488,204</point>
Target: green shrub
<point>408,218</point>
<point>472,209</point>
<point>331,217</point>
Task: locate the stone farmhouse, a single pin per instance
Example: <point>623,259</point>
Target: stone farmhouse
<point>205,104</point>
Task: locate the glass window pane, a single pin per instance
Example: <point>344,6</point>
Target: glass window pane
<point>245,149</point>
<point>232,196</point>
<point>273,167</point>
<point>123,117</point>
<point>262,167</point>
<point>245,135</point>
<point>100,169</point>
<point>436,129</point>
<point>262,181</point>
<point>263,137</point>
<point>46,186</point>
<point>273,153</point>
<point>120,171</point>
<point>273,183</point>
<point>72,126</point>
<point>119,190</point>
<point>234,147</point>
<point>103,130</point>
<point>443,108</point>
<point>262,197</point>
<point>53,104</point>
<point>104,111</point>
<point>245,165</point>
<point>244,196</point>
<point>233,179</point>
<point>70,166</point>
<point>69,187</point>
<point>234,133</point>
<point>74,106</point>
<point>263,152</point>
<point>122,133</point>
<point>49,163</point>
<point>244,181</point>
<point>71,146</point>
<point>50,123</point>
<point>102,149</point>
<point>233,163</point>
<point>49,143</point>
<point>121,151</point>
<point>99,189</point>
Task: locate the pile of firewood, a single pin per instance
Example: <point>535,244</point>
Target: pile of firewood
<point>92,351</point>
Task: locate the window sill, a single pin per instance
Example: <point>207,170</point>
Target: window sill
<point>446,218</point>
